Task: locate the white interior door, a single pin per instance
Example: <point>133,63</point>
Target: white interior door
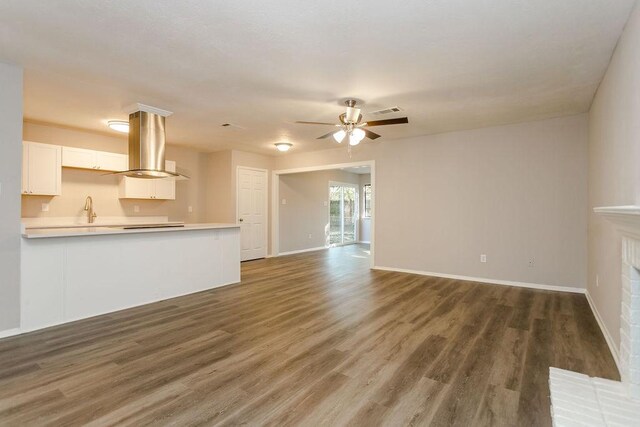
<point>252,212</point>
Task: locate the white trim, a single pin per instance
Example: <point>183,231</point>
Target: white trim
<point>486,280</point>
<point>319,248</point>
<point>275,214</point>
<point>324,167</point>
<point>10,332</point>
<point>363,241</point>
<point>266,203</point>
<point>607,336</point>
<point>275,202</point>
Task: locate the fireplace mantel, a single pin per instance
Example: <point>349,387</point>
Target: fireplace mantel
<point>626,218</point>
<point>577,399</point>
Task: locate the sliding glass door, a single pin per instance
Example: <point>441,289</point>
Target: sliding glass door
<point>343,213</point>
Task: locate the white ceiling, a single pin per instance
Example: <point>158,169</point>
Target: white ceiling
<point>451,64</point>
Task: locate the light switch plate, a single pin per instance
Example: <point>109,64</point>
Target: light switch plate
<point>190,209</point>
<point>136,208</point>
<point>45,207</point>
<point>284,201</point>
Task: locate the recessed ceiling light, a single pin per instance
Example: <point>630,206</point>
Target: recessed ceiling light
<point>283,146</point>
<point>119,125</point>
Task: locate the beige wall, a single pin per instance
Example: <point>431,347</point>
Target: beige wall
<point>10,190</point>
<point>219,196</point>
<point>614,169</point>
<point>515,193</point>
<point>307,212</point>
<point>221,177</point>
<point>77,184</point>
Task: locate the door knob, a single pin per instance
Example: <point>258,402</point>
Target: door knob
<point>241,220</point>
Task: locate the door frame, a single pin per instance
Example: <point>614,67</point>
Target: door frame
<point>275,197</point>
<point>357,226</point>
<point>266,202</point>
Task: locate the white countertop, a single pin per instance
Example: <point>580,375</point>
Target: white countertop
<point>77,231</point>
<point>101,225</point>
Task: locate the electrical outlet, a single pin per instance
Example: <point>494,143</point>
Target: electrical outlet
<point>310,235</point>
<point>325,203</point>
<point>136,208</point>
<point>531,263</point>
<point>483,258</point>
<point>284,201</point>
<point>45,207</point>
<point>190,209</point>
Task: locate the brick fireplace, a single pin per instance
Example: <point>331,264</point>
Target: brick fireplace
<point>577,399</point>
<point>630,316</point>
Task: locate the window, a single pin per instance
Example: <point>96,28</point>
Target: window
<point>367,201</point>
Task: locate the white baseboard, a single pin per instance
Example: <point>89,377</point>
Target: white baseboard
<point>10,332</point>
<point>365,242</point>
<point>486,280</point>
<point>319,248</point>
<point>607,336</point>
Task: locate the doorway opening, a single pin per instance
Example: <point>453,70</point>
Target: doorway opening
<point>323,207</point>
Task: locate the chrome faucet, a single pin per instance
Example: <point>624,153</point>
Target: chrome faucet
<point>88,206</point>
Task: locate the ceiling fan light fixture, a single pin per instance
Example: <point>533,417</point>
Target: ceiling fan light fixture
<point>119,125</point>
<point>283,146</point>
<point>339,136</point>
<point>356,136</point>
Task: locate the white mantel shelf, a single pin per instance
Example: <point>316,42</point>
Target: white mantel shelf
<point>627,218</point>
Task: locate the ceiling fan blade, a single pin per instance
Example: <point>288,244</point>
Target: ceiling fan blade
<point>370,135</point>
<point>398,121</point>
<point>316,123</point>
<point>326,135</point>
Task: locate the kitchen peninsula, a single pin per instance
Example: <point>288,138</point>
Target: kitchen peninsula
<point>75,273</point>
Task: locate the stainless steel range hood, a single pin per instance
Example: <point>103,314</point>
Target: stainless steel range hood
<point>147,145</point>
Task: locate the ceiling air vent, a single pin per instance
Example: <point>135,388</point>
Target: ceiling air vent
<point>386,111</point>
<point>231,125</point>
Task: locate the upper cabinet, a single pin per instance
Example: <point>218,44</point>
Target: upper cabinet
<point>90,159</point>
<point>141,188</point>
<point>41,169</point>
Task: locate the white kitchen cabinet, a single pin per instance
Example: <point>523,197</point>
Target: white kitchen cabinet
<point>90,159</point>
<point>113,162</point>
<point>165,189</point>
<point>41,169</point>
<point>142,188</point>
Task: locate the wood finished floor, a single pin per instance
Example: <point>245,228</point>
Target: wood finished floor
<point>309,339</point>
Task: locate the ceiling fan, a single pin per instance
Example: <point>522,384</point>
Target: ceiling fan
<point>352,126</point>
